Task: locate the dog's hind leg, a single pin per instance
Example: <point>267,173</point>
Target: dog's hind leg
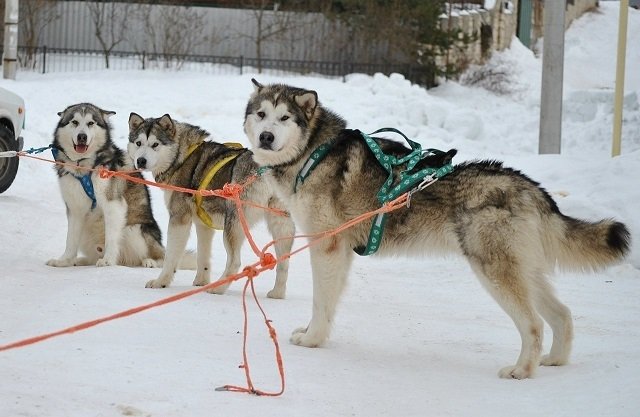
<point>203,254</point>
<point>177,236</point>
<point>505,284</point>
<point>494,242</point>
<point>330,262</point>
<point>559,318</point>
<point>281,228</point>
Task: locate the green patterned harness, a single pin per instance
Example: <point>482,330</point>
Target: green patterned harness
<point>408,181</point>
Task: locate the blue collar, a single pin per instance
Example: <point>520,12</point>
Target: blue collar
<point>85,181</point>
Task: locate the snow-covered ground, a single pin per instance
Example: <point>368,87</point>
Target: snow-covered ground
<point>413,337</point>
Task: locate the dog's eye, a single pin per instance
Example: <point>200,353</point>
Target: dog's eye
<point>284,118</point>
<point>261,114</point>
<point>138,143</point>
<point>75,123</point>
<point>155,145</point>
<point>90,124</point>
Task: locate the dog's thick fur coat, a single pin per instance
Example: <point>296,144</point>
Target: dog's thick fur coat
<point>121,228</point>
<point>509,229</point>
<point>181,155</point>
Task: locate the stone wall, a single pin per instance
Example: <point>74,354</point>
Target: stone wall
<point>494,27</point>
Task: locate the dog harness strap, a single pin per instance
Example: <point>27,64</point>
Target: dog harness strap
<point>192,148</point>
<point>407,181</point>
<point>202,213</point>
<point>87,186</point>
<point>85,180</point>
<point>316,157</point>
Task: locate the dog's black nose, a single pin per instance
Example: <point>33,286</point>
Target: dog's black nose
<point>141,162</point>
<point>82,138</point>
<point>266,139</point>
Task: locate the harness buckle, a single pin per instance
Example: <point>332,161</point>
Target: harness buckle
<point>427,181</point>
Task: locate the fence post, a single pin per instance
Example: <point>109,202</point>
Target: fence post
<point>144,57</point>
<point>241,63</point>
<point>44,59</point>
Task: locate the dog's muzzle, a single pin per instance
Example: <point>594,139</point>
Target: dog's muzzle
<point>266,140</point>
<point>81,145</point>
<point>141,163</point>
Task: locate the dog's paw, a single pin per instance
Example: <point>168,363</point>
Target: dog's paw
<point>157,283</point>
<point>220,289</point>
<point>301,337</point>
<point>105,262</point>
<point>61,262</point>
<point>277,293</point>
<point>515,372</point>
<point>548,360</point>
<point>200,281</point>
<point>149,263</point>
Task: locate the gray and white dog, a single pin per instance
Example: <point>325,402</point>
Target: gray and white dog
<point>509,229</point>
<point>183,155</point>
<point>109,220</point>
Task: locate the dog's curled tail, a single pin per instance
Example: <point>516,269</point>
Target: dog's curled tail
<point>591,246</point>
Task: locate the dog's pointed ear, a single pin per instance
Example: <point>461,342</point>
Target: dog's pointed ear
<point>257,86</point>
<point>167,123</point>
<point>135,121</point>
<point>308,101</point>
<point>107,113</point>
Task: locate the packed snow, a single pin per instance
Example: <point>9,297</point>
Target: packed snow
<point>412,337</point>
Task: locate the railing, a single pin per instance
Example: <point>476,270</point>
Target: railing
<point>47,60</point>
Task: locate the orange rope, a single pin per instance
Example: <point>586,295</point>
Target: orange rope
<point>122,314</point>
<point>266,262</point>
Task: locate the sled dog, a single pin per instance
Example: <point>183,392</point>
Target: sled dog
<point>508,228</point>
<point>109,220</point>
<point>183,155</point>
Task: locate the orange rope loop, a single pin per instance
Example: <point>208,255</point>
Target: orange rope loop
<point>230,190</point>
<point>250,271</point>
<point>104,173</point>
<point>268,261</point>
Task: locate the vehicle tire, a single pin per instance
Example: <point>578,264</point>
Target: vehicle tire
<point>8,166</point>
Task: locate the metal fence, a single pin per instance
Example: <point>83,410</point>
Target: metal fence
<point>49,60</point>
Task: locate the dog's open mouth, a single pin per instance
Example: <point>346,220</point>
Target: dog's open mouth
<point>80,148</point>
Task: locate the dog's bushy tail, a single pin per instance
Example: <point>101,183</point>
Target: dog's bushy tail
<point>582,245</point>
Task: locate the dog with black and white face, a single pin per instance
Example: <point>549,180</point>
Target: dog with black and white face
<point>507,227</point>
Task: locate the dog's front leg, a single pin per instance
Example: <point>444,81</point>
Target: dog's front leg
<point>75,223</point>
<point>281,228</point>
<point>330,262</point>
<point>177,237</point>
<point>115,219</point>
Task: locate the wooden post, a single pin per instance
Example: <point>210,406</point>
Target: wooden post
<point>619,92</point>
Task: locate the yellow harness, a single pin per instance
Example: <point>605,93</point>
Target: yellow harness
<point>202,214</point>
